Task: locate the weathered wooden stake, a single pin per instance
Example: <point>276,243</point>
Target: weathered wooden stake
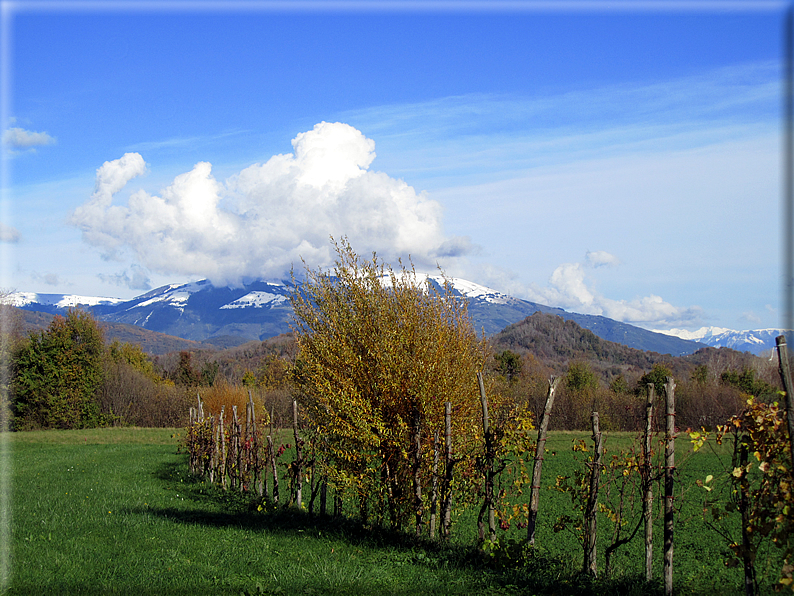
<point>446,491</point>
<point>669,469</point>
<point>750,584</point>
<point>488,503</point>
<point>434,485</point>
<point>785,375</point>
<point>215,453</point>
<point>222,466</point>
<point>272,455</point>
<point>298,457</point>
<point>238,451</point>
<point>256,448</point>
<point>192,440</point>
<point>540,449</point>
<point>647,483</point>
<point>590,564</point>
<point>417,470</point>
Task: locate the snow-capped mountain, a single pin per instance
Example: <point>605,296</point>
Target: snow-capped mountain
<point>261,309</point>
<point>57,302</point>
<point>756,341</point>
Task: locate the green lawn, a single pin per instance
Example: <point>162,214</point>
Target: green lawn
<point>113,511</point>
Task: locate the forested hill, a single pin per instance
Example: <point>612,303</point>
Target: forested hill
<point>557,342</point>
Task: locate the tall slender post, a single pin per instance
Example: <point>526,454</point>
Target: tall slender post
<point>785,376</point>
<point>238,450</point>
<point>256,450</point>
<point>647,484</point>
<point>669,469</point>
<point>272,455</point>
<point>446,492</point>
<point>750,583</point>
<point>488,504</point>
<point>298,457</point>
<point>222,466</point>
<point>540,449</point>
<point>417,470</point>
<point>434,485</point>
<point>590,564</point>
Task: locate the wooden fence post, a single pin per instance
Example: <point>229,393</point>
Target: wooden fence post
<point>590,564</point>
<point>191,440</point>
<point>256,448</point>
<point>272,454</point>
<point>488,503</point>
<point>298,458</point>
<point>785,375</point>
<point>417,469</point>
<point>669,468</point>
<point>647,483</point>
<point>534,495</point>
<point>215,452</point>
<point>750,583</point>
<point>223,449</point>
<point>434,485</point>
<point>446,492</point>
<point>238,455</point>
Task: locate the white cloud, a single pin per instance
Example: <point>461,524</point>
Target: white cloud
<point>570,288</point>
<point>267,217</point>
<point>19,138</point>
<point>8,234</point>
<point>600,258</point>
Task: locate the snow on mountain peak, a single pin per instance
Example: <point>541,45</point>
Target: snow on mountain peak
<point>256,300</point>
<point>20,299</point>
<point>473,290</point>
<point>697,335</point>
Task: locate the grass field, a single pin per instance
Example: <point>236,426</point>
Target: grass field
<point>113,511</point>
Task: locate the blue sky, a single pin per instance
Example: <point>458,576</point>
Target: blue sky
<point>617,162</point>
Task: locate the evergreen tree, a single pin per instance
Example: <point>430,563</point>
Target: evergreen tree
<point>56,375</point>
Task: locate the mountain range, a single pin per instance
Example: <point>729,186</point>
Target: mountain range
<point>201,312</point>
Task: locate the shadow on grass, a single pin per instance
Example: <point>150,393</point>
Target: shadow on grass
<point>533,573</point>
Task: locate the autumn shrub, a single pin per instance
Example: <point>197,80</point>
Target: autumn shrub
<point>380,354</point>
<point>700,404</point>
<point>226,395</point>
<point>128,397</point>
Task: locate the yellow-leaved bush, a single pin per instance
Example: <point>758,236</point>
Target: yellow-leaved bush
<point>381,351</point>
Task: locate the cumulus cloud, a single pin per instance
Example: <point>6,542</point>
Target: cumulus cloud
<point>264,219</point>
<point>21,139</point>
<point>8,234</point>
<point>571,289</point>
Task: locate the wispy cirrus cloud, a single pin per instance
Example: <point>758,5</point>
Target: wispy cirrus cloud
<point>182,142</point>
<point>487,135</point>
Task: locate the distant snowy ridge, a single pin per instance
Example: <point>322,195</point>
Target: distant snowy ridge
<point>20,299</point>
<point>256,300</point>
<point>748,340</point>
<point>473,290</point>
